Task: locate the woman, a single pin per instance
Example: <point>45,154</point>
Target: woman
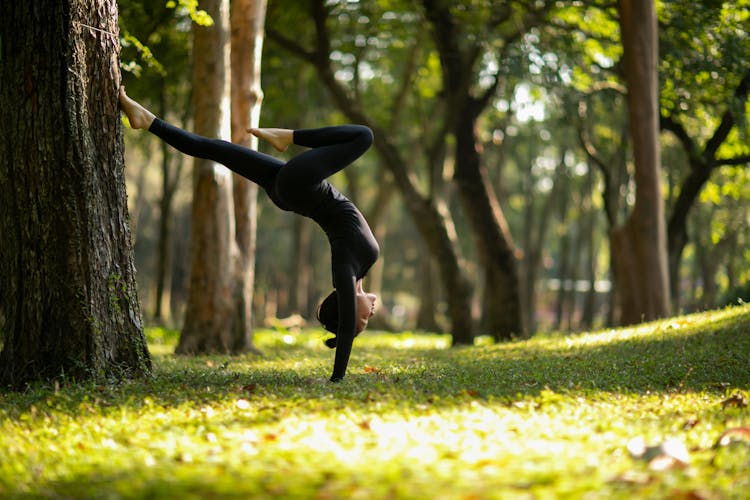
<point>300,185</point>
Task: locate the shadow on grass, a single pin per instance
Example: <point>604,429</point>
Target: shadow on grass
<point>712,356</point>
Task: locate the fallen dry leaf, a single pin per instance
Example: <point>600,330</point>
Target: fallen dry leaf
<point>364,425</point>
<point>733,435</point>
<point>667,455</point>
<point>687,495</point>
<point>690,423</point>
<point>736,400</point>
<point>633,477</point>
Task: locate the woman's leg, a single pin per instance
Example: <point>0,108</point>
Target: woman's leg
<point>258,167</point>
<point>333,148</point>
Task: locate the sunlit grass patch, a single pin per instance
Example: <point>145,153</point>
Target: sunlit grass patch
<point>546,417</point>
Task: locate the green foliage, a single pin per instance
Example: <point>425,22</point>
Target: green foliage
<point>155,37</point>
<point>198,16</point>
<point>145,55</point>
<point>704,48</point>
<point>549,417</point>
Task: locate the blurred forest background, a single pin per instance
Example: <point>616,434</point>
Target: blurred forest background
<point>540,91</point>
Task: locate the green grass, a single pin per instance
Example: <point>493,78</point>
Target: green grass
<point>550,417</point>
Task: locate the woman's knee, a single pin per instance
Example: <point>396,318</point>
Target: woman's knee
<point>365,135</point>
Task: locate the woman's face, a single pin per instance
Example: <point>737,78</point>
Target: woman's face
<point>365,309</point>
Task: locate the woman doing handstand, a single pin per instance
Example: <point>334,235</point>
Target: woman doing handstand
<point>300,185</point>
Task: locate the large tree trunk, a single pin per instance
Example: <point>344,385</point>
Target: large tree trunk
<point>435,225</point>
<point>67,280</point>
<point>640,245</point>
<point>208,318</point>
<point>247,19</point>
<point>495,248</point>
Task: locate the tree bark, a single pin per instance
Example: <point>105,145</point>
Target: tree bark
<point>67,277</point>
<point>640,245</point>
<point>247,20</point>
<point>495,247</point>
<point>208,317</point>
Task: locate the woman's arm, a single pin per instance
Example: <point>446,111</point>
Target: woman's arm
<point>345,283</point>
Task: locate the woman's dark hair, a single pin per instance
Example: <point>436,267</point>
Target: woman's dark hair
<point>328,315</point>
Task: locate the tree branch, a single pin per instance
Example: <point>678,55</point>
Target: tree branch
<point>289,45</point>
<point>669,123</point>
<point>593,155</point>
<point>410,69</point>
<point>727,120</point>
<point>733,162</point>
<point>445,36</point>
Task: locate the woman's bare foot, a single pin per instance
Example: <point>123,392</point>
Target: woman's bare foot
<point>279,138</point>
<point>138,116</point>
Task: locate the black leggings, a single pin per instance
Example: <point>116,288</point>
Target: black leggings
<point>333,149</point>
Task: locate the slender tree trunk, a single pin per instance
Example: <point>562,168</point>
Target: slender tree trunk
<point>531,252</point>
<point>208,318</point>
<point>436,227</point>
<point>248,17</point>
<point>170,178</point>
<point>180,267</point>
<point>589,303</point>
<point>494,244</point>
<point>301,274</point>
<point>535,237</point>
<point>163,241</point>
<point>564,253</point>
<point>428,297</point>
<point>640,245</point>
<point>564,272</point>
<point>575,267</point>
<point>67,277</point>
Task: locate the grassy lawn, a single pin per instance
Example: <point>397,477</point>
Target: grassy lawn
<point>550,417</point>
